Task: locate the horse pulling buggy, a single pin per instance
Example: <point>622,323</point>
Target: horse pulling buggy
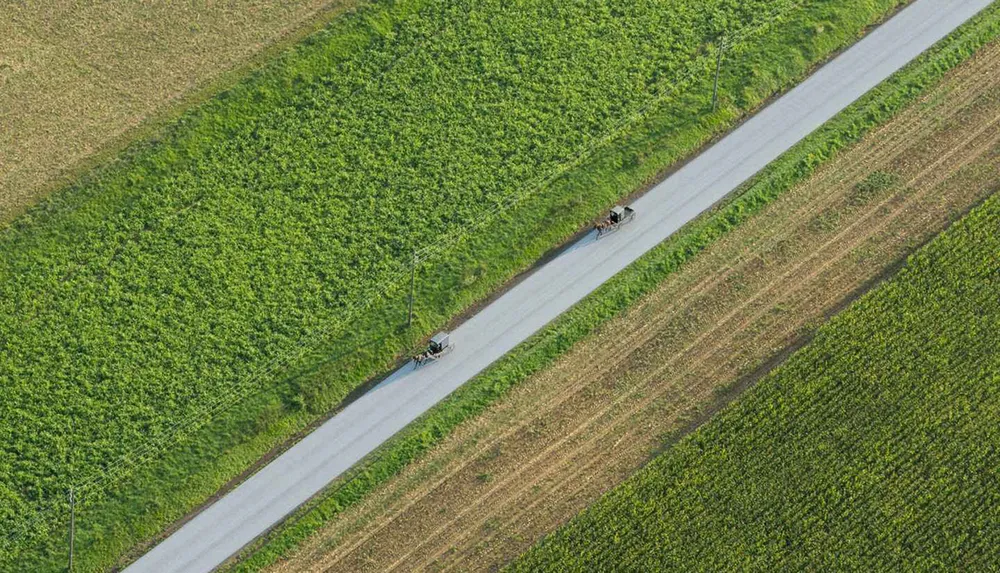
<point>439,345</point>
<point>617,218</point>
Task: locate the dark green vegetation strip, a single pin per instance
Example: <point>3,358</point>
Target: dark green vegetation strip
<point>139,304</point>
<point>872,449</point>
<point>540,351</point>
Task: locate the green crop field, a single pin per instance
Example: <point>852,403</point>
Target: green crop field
<point>872,449</point>
<point>260,243</point>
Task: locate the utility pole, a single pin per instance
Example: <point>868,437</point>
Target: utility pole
<point>718,66</point>
<point>413,280</point>
<point>72,497</point>
<point>72,526</point>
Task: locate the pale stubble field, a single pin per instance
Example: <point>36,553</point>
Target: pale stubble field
<point>80,80</point>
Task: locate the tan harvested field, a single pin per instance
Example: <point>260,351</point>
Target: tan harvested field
<point>568,435</point>
<point>79,80</point>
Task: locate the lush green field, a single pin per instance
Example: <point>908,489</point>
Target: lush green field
<point>874,448</point>
<point>140,304</point>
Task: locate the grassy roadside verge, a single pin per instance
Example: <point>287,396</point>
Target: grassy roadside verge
<point>209,457</point>
<point>626,288</point>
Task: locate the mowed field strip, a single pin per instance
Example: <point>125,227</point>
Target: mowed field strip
<point>77,78</point>
<point>568,435</point>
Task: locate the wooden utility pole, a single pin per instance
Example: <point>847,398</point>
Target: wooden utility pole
<point>72,526</point>
<point>413,280</point>
<point>72,497</point>
<point>718,66</point>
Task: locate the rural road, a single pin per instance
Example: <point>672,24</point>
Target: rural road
<point>263,500</point>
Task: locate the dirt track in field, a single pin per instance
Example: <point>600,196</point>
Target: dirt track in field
<point>569,434</point>
<point>77,79</point>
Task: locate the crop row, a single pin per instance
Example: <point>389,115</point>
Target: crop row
<point>873,448</point>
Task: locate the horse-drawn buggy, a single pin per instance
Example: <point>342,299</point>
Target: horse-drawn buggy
<point>439,345</point>
<point>617,218</point>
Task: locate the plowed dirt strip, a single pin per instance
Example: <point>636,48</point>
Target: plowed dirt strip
<point>574,431</point>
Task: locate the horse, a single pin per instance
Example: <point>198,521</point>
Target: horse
<point>602,226</point>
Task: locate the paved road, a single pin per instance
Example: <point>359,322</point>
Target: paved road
<point>263,500</point>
